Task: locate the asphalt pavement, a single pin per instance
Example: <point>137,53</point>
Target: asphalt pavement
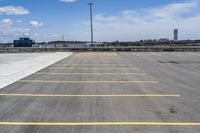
<point>107,93</point>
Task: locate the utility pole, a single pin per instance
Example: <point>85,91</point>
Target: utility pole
<point>91,23</point>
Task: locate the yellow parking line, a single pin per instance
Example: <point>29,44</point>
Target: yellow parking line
<point>90,61</point>
<point>96,55</point>
<point>65,68</point>
<point>60,81</point>
<point>100,123</point>
<point>96,60</point>
<point>137,74</point>
<point>100,63</point>
<point>91,95</point>
<point>92,64</point>
<point>87,61</point>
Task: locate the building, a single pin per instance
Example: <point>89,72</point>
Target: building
<point>57,44</point>
<point>5,45</point>
<point>175,34</point>
<point>23,42</point>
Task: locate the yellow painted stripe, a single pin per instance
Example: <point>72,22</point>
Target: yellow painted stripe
<point>100,61</point>
<point>85,68</point>
<point>95,53</point>
<point>91,95</point>
<point>90,63</point>
<point>100,123</point>
<point>59,81</point>
<point>137,74</point>
<point>95,59</point>
<point>97,56</point>
<point>80,64</point>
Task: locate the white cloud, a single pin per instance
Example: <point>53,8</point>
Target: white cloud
<point>36,24</point>
<point>6,22</point>
<point>13,10</point>
<point>68,1</point>
<point>157,22</point>
<point>7,30</point>
<point>19,32</point>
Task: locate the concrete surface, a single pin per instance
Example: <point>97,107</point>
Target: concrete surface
<point>14,67</point>
<point>156,93</point>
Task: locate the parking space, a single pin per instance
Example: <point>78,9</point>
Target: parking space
<point>106,93</point>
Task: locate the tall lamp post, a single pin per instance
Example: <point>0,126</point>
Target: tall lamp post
<point>91,23</point>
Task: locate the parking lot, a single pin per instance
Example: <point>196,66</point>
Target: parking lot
<point>107,92</point>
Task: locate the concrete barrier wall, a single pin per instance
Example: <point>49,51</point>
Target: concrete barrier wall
<point>133,49</point>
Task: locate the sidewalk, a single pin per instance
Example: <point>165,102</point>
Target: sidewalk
<point>14,67</point>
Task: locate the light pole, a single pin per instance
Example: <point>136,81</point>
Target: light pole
<point>91,23</point>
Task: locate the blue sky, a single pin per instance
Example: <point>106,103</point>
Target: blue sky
<point>124,20</point>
